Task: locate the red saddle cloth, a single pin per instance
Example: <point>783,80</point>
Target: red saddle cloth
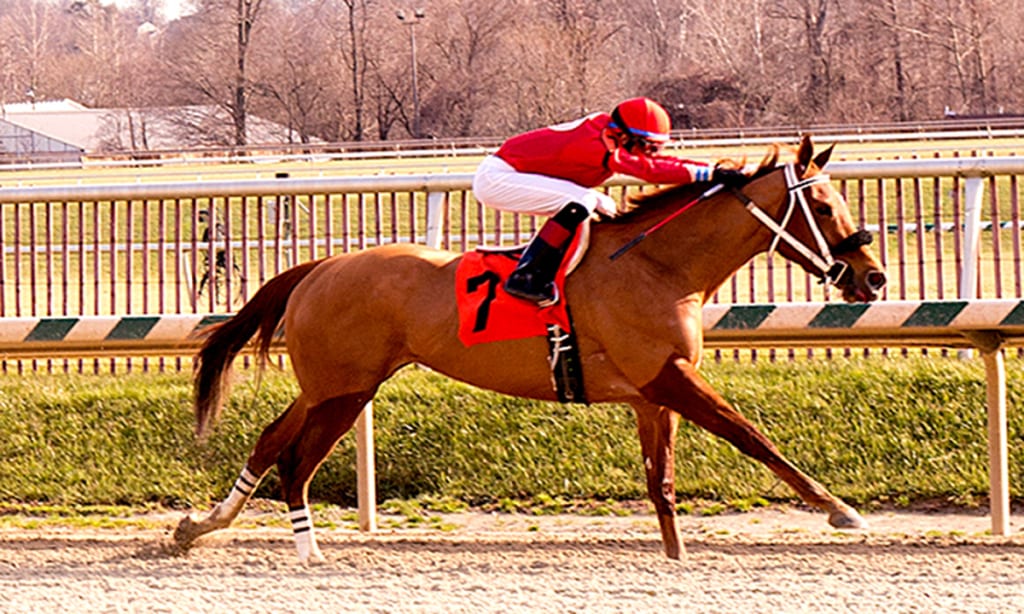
<point>488,313</point>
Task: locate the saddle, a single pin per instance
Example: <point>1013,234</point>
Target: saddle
<point>488,314</point>
<point>577,250</point>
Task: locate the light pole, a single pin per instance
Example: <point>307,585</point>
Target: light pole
<point>412,22</point>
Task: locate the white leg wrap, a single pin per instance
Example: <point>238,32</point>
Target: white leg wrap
<point>244,486</point>
<point>246,483</point>
<point>305,540</point>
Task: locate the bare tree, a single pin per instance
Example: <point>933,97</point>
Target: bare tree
<point>290,81</point>
<point>207,57</point>
<point>110,56</point>
<point>962,33</point>
<point>28,31</point>
<point>732,67</point>
<point>473,69</point>
<point>815,31</point>
<point>892,20</point>
<point>354,15</point>
<point>582,33</point>
<point>246,13</point>
<point>562,60</point>
<point>656,26</point>
<point>341,70</point>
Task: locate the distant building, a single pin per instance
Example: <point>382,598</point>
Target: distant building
<point>24,132</point>
<point>64,130</point>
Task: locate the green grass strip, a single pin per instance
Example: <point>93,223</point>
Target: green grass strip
<point>880,429</point>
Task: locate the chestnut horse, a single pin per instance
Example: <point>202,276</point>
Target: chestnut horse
<point>353,320</point>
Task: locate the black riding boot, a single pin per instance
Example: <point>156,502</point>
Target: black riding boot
<point>534,276</point>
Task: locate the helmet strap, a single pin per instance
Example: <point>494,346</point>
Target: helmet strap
<point>621,125</point>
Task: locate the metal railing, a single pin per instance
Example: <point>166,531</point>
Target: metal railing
<point>945,228</point>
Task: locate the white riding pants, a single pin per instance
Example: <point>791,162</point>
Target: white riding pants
<point>498,185</point>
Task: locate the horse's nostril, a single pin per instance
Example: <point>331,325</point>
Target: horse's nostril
<point>876,280</point>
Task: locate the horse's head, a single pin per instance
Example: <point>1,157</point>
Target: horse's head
<point>811,224</point>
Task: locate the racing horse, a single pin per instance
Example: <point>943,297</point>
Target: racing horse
<point>352,320</point>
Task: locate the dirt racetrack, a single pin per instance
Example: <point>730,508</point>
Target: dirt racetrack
<point>772,560</point>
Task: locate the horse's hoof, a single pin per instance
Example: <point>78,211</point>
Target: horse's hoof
<point>185,533</point>
<point>847,518</point>
<point>314,559</point>
<point>674,550</point>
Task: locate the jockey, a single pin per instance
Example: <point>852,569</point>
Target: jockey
<point>552,171</point>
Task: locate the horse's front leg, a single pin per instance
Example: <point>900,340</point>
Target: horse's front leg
<point>657,427</point>
<point>680,387</point>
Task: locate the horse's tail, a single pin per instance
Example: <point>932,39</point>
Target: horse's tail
<point>225,340</point>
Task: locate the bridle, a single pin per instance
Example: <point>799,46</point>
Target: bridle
<point>830,270</point>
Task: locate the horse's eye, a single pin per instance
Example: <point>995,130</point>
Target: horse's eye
<point>823,210</point>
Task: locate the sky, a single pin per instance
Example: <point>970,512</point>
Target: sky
<point>170,9</point>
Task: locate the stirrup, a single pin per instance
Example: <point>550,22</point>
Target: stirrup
<point>542,300</point>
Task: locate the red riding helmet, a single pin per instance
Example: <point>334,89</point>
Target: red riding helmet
<point>643,118</point>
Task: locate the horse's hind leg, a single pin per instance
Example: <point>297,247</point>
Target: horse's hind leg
<point>324,426</point>
<point>272,440</point>
<point>680,387</point>
<point>298,442</point>
<point>657,427</point>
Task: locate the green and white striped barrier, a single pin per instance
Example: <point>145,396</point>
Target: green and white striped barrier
<point>953,323</point>
<point>54,336</point>
<point>941,323</point>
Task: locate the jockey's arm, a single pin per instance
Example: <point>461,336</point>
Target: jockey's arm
<point>658,169</point>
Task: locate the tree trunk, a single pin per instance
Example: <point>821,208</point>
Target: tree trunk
<point>246,12</point>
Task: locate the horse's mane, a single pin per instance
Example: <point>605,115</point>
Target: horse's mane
<point>640,203</point>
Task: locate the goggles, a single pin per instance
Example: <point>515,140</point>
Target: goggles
<point>637,141</point>
<point>645,146</point>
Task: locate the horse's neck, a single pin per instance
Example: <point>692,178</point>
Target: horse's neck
<point>734,235</point>
<point>707,244</point>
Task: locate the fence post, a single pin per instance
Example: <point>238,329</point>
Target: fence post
<point>366,479</point>
<point>998,461</point>
<point>435,218</point>
<point>974,191</point>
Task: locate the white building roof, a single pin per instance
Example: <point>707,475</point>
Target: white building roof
<point>122,130</point>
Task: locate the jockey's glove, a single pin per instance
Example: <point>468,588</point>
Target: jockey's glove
<point>729,177</point>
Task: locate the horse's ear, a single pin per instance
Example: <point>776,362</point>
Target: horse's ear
<point>821,159</point>
<point>805,151</point>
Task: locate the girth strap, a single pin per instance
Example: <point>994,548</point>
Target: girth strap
<point>566,368</point>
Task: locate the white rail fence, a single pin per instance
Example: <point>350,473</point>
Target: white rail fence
<point>58,242</point>
<point>33,216</point>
